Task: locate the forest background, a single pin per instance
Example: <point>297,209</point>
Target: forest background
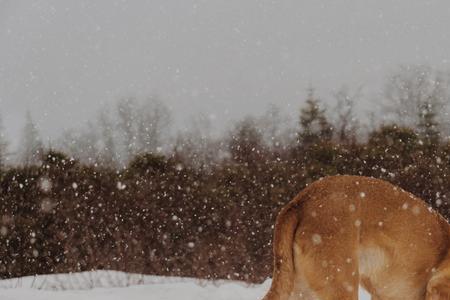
<point>126,193</point>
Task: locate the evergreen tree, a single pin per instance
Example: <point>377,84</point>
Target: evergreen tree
<point>246,142</point>
<point>314,126</point>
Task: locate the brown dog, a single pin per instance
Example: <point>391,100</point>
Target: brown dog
<point>344,231</point>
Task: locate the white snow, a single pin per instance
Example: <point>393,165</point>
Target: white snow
<point>110,285</point>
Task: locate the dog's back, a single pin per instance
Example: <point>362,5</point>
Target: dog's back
<point>345,230</point>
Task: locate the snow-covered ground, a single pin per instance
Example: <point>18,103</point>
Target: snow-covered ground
<point>108,285</point>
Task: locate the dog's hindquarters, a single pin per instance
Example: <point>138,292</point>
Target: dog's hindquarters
<point>326,247</point>
<point>316,248</point>
<point>284,268</point>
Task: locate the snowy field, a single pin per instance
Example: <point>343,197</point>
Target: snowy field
<point>108,285</point>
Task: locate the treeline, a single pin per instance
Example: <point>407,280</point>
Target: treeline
<point>205,207</point>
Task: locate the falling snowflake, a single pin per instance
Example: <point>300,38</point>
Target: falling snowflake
<point>316,239</point>
<point>121,186</point>
<point>45,185</point>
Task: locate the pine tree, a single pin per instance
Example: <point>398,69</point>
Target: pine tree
<point>314,126</point>
<point>246,142</point>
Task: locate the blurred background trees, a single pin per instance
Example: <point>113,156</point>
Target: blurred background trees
<point>122,193</point>
<point>418,97</point>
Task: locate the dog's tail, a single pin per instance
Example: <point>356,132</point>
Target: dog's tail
<point>283,242</point>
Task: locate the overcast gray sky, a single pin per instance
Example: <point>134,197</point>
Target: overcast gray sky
<point>63,60</point>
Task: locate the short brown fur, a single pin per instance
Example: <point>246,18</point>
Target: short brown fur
<point>344,231</point>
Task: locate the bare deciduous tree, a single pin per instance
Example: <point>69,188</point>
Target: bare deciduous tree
<point>126,111</point>
<point>82,144</point>
<point>197,145</point>
<point>346,123</point>
<point>153,122</point>
<point>31,143</point>
<point>275,127</point>
<point>413,92</point>
<point>108,152</point>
